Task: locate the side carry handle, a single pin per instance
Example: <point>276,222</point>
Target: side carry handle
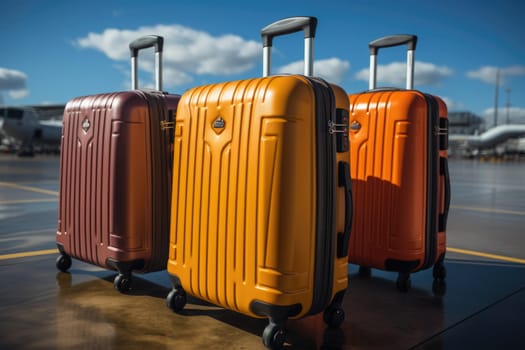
<point>442,221</point>
<point>389,41</point>
<point>287,26</point>
<point>143,43</point>
<point>343,238</point>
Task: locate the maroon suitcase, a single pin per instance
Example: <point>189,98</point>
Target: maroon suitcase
<point>115,177</point>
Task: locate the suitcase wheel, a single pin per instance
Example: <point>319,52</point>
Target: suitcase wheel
<point>439,272</point>
<point>274,336</point>
<point>63,263</point>
<point>176,299</point>
<point>403,282</point>
<point>439,287</point>
<point>365,272</point>
<point>334,316</point>
<point>122,283</point>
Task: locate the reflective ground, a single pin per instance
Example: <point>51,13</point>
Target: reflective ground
<point>42,308</point>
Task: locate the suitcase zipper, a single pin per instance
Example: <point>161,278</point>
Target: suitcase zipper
<point>432,182</point>
<point>326,148</point>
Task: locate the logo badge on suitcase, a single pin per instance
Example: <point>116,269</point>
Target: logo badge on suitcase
<point>219,123</point>
<point>86,125</point>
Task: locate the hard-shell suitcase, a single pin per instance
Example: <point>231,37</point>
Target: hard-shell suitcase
<point>115,177</point>
<point>261,204</point>
<point>401,186</point>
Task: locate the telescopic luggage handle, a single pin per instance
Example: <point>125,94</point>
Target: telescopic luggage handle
<point>143,43</point>
<point>389,41</point>
<point>287,26</point>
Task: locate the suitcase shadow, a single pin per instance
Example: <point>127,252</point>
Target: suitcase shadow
<point>381,285</point>
<point>93,315</point>
<point>103,283</point>
<point>140,286</point>
<point>378,315</point>
<point>94,312</point>
<point>374,310</point>
<point>302,334</point>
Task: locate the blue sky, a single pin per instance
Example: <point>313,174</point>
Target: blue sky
<point>55,50</point>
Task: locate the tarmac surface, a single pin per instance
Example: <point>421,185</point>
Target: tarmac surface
<point>483,307</point>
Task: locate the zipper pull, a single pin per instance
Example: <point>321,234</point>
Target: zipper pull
<point>340,128</point>
<point>164,125</point>
<point>334,128</point>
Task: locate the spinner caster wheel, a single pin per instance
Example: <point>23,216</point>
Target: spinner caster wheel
<point>122,283</point>
<point>176,299</point>
<point>63,263</point>
<point>274,336</point>
<point>403,282</point>
<point>365,272</point>
<point>439,287</point>
<point>439,272</point>
<point>334,317</point>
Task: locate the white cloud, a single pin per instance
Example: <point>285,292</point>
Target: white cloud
<point>18,94</point>
<point>14,82</point>
<point>430,74</point>
<point>11,79</point>
<point>488,74</point>
<point>451,104</point>
<point>176,75</point>
<point>332,69</point>
<point>186,51</point>
<point>515,115</point>
<point>395,74</point>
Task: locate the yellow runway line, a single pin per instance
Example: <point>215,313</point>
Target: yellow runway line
<point>28,188</point>
<point>28,254</point>
<point>486,255</point>
<point>449,249</point>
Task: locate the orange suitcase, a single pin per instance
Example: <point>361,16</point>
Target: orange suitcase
<point>115,177</point>
<point>261,202</point>
<point>400,178</point>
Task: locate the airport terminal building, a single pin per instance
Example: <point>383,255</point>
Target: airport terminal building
<point>465,123</point>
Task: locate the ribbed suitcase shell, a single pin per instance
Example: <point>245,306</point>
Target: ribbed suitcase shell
<point>398,156</point>
<point>115,180</point>
<point>253,222</point>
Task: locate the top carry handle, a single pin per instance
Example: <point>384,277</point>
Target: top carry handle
<point>143,43</point>
<point>389,41</point>
<point>287,26</point>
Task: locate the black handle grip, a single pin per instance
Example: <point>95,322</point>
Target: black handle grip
<point>343,238</point>
<point>393,40</point>
<point>145,42</point>
<point>287,26</point>
<point>442,224</point>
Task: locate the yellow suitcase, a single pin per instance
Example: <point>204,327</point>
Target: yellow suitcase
<point>261,201</point>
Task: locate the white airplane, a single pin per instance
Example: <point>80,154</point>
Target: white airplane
<point>490,139</point>
<point>24,125</point>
